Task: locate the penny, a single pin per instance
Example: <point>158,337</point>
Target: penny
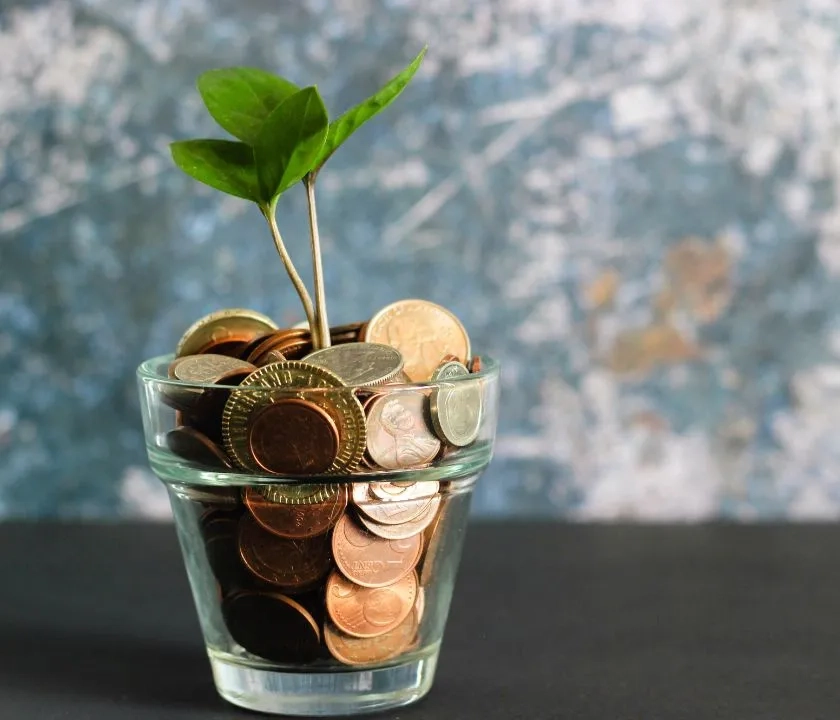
<point>423,332</point>
<point>359,364</point>
<point>455,407</point>
<point>295,521</point>
<point>405,529</point>
<point>291,379</point>
<point>196,447</point>
<point>387,512</point>
<point>297,493</point>
<point>404,490</point>
<point>293,437</point>
<point>433,539</point>
<point>369,612</point>
<point>218,529</point>
<point>365,651</point>
<point>274,340</point>
<point>271,626</point>
<point>398,436</point>
<point>368,560</point>
<point>475,364</point>
<point>292,565</point>
<point>236,325</point>
<point>420,604</point>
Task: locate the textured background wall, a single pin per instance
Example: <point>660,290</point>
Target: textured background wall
<point>633,203</point>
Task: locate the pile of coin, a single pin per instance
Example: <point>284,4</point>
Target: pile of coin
<point>282,408</point>
<point>312,571</point>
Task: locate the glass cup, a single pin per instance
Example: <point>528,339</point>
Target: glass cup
<point>321,594</point>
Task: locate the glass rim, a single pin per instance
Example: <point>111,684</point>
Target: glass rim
<point>149,371</point>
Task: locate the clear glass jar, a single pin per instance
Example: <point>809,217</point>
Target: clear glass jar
<point>303,610</point>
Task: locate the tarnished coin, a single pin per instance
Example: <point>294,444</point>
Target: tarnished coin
<point>297,493</point>
<point>387,512</point>
<point>196,447</point>
<point>272,626</point>
<point>359,364</point>
<point>404,490</point>
<point>236,325</point>
<point>292,379</point>
<point>423,332</point>
<point>209,369</point>
<point>295,521</point>
<point>293,437</point>
<point>365,651</point>
<point>369,560</point>
<point>369,612</point>
<point>456,406</point>
<point>406,529</point>
<point>398,436</point>
<point>292,565</point>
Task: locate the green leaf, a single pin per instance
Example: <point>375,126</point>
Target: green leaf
<point>290,141</point>
<point>241,98</point>
<point>343,127</point>
<point>222,164</point>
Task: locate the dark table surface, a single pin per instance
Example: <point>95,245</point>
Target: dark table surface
<point>549,621</point>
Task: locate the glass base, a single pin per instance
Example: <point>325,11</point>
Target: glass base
<point>326,693</point>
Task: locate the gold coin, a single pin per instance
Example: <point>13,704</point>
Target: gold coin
<point>293,379</point>
<point>222,326</point>
<point>365,651</point>
<point>369,612</point>
<point>423,332</point>
<point>297,493</point>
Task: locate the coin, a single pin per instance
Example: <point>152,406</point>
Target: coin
<point>420,604</point>
<point>359,364</point>
<point>295,521</point>
<point>292,379</point>
<point>297,493</point>
<point>433,540</point>
<point>456,407</point>
<point>209,369</point>
<point>404,490</point>
<point>223,326</point>
<point>365,651</point>
<point>405,529</point>
<point>369,612</point>
<point>219,531</point>
<point>196,447</point>
<point>387,512</point>
<point>292,565</point>
<point>423,332</point>
<point>368,560</point>
<point>293,437</point>
<point>271,626</point>
<point>398,436</point>
<point>475,364</point>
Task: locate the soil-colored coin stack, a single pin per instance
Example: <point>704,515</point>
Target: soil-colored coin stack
<point>310,568</point>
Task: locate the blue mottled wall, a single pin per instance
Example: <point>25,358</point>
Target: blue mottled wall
<point>633,203</point>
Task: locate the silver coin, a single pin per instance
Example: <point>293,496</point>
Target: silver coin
<point>391,491</point>
<point>359,364</point>
<point>406,529</point>
<point>398,437</point>
<point>456,408</point>
<point>386,512</point>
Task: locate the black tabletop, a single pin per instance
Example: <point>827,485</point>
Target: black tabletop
<point>549,621</point>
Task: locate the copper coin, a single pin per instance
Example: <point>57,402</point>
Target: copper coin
<point>433,537</point>
<point>398,436</point>
<point>387,512</point>
<point>366,651</point>
<point>296,521</point>
<point>369,560</point>
<point>272,626</point>
<point>246,350</point>
<point>196,447</point>
<point>293,437</point>
<point>275,340</point>
<point>406,529</point>
<point>369,612</point>
<point>420,604</point>
<point>423,332</point>
<point>475,364</point>
<point>236,325</point>
<point>292,565</point>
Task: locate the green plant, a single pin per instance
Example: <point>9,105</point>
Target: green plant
<point>283,137</point>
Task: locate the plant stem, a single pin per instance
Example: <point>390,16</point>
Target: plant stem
<point>320,295</point>
<point>268,212</point>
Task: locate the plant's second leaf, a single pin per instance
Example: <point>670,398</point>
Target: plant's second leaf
<point>225,165</point>
<point>241,98</point>
<point>344,126</point>
<point>290,141</point>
